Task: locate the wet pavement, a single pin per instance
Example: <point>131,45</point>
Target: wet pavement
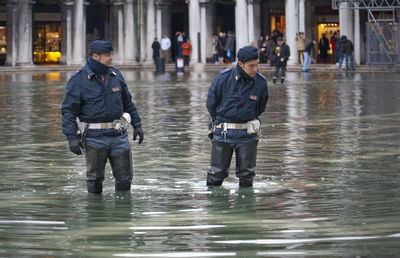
<point>327,183</point>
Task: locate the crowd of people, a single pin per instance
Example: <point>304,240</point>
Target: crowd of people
<point>180,47</point>
<point>269,49</point>
<point>342,50</point>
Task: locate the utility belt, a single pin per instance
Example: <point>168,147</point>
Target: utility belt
<point>253,126</point>
<point>120,124</point>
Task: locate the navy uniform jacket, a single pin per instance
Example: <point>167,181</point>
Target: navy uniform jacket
<point>231,99</point>
<point>95,101</point>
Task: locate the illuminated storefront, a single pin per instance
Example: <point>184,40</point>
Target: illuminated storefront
<point>277,20</point>
<point>3,45</point>
<point>47,38</point>
<point>3,35</point>
<point>329,30</point>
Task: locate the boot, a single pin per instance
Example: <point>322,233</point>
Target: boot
<point>121,165</point>
<point>246,156</point>
<point>274,80</point>
<point>282,80</point>
<point>96,159</point>
<point>221,156</point>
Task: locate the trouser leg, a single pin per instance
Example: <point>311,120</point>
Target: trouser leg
<point>96,159</point>
<point>221,156</point>
<point>246,155</point>
<point>121,165</point>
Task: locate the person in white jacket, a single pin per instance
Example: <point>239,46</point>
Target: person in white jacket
<point>165,46</point>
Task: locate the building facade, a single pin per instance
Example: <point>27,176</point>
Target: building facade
<point>59,31</point>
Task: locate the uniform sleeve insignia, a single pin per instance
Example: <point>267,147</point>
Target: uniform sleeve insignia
<point>116,89</point>
<point>253,97</point>
<point>88,76</point>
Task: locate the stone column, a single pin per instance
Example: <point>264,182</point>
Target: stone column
<point>12,34</point>
<point>158,19</point>
<point>211,25</point>
<point>357,37</point>
<point>66,31</point>
<point>302,16</point>
<point>129,29</point>
<point>79,28</point>
<point>241,28</point>
<point>194,28</point>
<point>117,30</point>
<point>204,29</point>
<point>250,20</point>
<point>291,29</point>
<point>163,18</point>
<point>150,30</point>
<point>346,21</point>
<point>24,54</point>
<point>257,18</point>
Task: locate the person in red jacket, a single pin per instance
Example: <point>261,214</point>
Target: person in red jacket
<point>186,49</point>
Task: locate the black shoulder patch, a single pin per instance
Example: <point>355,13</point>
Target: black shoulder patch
<point>76,73</point>
<point>261,75</point>
<point>226,70</point>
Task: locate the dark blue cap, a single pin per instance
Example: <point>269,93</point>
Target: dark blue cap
<point>247,53</point>
<point>100,47</point>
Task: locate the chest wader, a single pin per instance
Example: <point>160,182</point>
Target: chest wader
<point>121,164</point>
<point>221,156</point>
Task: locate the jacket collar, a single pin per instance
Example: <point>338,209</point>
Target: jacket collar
<point>239,76</point>
<point>90,73</point>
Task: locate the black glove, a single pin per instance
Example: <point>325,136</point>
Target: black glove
<point>138,131</point>
<point>210,130</point>
<point>75,146</point>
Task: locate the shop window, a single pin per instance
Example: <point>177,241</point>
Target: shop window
<point>46,44</point>
<point>278,23</point>
<point>3,44</point>
<point>329,30</point>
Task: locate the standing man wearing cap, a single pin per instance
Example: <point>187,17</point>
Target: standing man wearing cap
<point>98,95</point>
<point>282,53</point>
<point>236,99</point>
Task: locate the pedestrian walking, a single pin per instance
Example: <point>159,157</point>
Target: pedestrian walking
<point>230,47</point>
<point>348,49</point>
<point>333,41</point>
<point>323,48</point>
<point>282,53</point>
<point>214,43</point>
<point>156,49</point>
<point>186,50</point>
<point>236,99</point>
<point>165,46</point>
<point>177,43</point>
<point>345,50</point>
<point>221,48</point>
<point>301,46</point>
<point>270,51</point>
<point>98,95</point>
<point>307,55</point>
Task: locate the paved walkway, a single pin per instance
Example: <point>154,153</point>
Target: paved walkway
<point>202,67</point>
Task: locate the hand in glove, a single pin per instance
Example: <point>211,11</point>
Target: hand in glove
<point>138,131</point>
<point>75,146</point>
<point>210,130</point>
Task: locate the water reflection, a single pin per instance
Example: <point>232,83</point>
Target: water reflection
<point>327,180</point>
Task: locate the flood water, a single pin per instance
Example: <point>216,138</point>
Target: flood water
<point>327,183</point>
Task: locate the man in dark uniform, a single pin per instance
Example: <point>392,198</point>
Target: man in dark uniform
<point>236,99</point>
<point>98,95</point>
<point>282,54</point>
